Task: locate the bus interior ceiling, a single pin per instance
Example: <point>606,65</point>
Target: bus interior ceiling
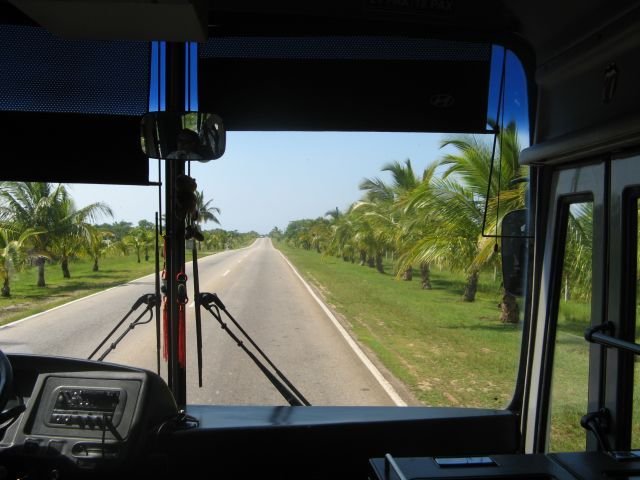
<point>580,58</point>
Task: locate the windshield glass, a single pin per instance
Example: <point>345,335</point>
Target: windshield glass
<point>360,264</point>
<point>355,261</point>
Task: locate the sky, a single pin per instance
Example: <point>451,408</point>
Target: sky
<point>267,179</point>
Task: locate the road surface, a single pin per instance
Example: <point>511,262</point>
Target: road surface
<point>264,295</point>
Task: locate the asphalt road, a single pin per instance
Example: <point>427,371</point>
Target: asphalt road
<point>263,293</point>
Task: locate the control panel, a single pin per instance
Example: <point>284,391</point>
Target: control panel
<point>86,407</point>
<point>81,417</point>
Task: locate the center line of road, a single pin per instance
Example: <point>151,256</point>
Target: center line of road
<point>226,273</point>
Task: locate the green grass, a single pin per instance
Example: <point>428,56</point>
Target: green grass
<point>570,380</point>
<point>27,299</point>
<point>448,352</point>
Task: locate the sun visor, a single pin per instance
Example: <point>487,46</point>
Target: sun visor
<point>169,20</point>
<point>72,148</point>
<point>346,84</point>
<point>71,109</point>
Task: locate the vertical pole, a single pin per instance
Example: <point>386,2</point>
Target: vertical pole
<point>158,295</point>
<point>174,226</point>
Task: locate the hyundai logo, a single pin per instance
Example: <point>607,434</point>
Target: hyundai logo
<point>442,100</point>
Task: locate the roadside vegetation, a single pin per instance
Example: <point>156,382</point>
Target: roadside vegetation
<point>427,220</point>
<point>52,251</point>
<point>448,352</point>
<point>408,269</point>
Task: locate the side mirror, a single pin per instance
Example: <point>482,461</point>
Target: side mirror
<point>515,251</point>
<point>182,135</point>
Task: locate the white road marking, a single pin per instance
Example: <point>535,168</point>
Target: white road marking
<point>354,346</point>
<point>39,314</point>
<point>226,273</point>
<point>35,315</point>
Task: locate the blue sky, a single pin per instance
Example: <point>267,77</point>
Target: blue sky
<point>266,179</point>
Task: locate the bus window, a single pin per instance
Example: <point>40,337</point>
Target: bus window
<point>571,359</point>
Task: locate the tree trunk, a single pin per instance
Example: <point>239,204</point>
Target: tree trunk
<point>6,291</point>
<point>425,274</point>
<point>379,265</point>
<point>510,312</point>
<point>138,254</point>
<point>472,287</point>
<point>371,261</point>
<point>40,262</point>
<point>567,295</point>
<point>95,264</point>
<point>146,254</point>
<point>408,274</point>
<point>363,258</point>
<point>64,263</point>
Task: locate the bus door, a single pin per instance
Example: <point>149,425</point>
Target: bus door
<point>587,294</point>
<point>564,371</point>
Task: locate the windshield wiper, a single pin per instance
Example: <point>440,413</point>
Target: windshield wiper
<point>213,304</point>
<point>150,300</point>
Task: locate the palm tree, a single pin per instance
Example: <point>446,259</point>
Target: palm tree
<point>416,222</point>
<point>206,212</point>
<point>472,164</point>
<point>216,239</point>
<point>320,234</point>
<point>452,240</point>
<point>378,226</point>
<point>99,244</point>
<point>379,199</point>
<point>140,239</point>
<point>457,204</point>
<point>13,253</point>
<point>342,235</point>
<point>403,180</point>
<point>49,209</point>
<point>335,214</point>
<point>73,229</point>
<point>577,268</point>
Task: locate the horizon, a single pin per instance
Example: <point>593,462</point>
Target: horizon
<point>268,179</point>
<point>259,188</point>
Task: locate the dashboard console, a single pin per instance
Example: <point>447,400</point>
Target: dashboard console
<point>555,466</point>
<point>81,415</point>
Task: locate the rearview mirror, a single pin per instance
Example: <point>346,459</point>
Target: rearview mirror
<point>515,251</point>
<point>182,136</point>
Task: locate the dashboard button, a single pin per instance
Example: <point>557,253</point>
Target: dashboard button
<point>91,421</point>
<point>31,447</point>
<point>55,447</point>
